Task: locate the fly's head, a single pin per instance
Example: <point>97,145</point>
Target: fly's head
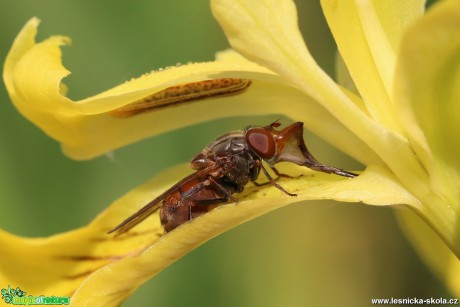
<point>274,146</point>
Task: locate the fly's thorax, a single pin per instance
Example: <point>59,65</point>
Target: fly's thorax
<point>226,144</point>
<point>237,169</point>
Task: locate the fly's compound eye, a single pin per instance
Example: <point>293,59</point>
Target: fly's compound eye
<point>262,142</point>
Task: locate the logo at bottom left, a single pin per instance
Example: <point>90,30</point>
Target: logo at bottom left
<point>18,297</point>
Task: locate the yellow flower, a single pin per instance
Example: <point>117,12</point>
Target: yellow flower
<point>400,123</point>
<point>404,69</point>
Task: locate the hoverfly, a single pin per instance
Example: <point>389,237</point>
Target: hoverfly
<point>224,167</point>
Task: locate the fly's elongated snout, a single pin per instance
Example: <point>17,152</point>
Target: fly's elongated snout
<point>288,145</point>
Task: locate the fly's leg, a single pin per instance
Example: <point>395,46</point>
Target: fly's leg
<point>210,202</point>
<point>203,203</point>
<point>280,175</point>
<point>192,191</point>
<point>223,189</point>
<point>277,173</point>
<point>273,183</point>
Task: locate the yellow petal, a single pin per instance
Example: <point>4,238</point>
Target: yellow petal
<point>275,41</point>
<point>33,74</point>
<point>61,263</point>
<point>368,34</point>
<point>395,16</point>
<point>113,283</point>
<point>266,32</point>
<point>427,87</point>
<point>97,269</point>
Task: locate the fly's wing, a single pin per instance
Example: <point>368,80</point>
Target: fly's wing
<point>139,216</point>
<point>155,204</point>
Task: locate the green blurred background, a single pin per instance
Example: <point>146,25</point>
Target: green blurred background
<point>308,254</point>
